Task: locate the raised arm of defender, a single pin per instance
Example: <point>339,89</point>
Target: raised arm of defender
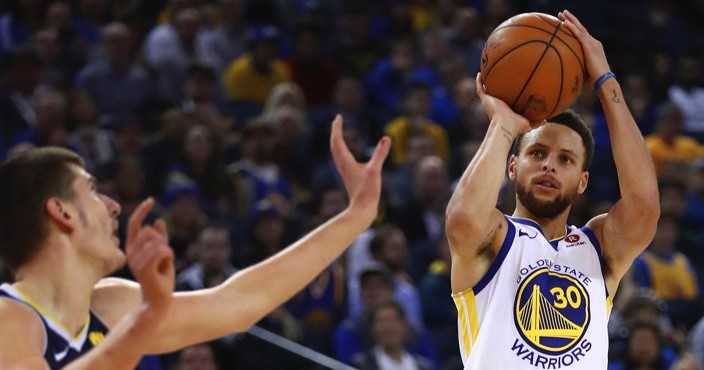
<point>252,293</point>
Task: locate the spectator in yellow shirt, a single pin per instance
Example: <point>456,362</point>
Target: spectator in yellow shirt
<point>251,77</point>
<point>669,148</point>
<point>415,121</point>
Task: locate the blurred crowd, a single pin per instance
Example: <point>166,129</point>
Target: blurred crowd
<point>220,109</point>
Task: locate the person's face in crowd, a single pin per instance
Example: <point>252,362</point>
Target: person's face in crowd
<point>269,230</point>
<point>388,327</point>
<point>173,123</point>
<point>332,202</point>
<point>418,102</point>
<point>201,88</point>
<point>348,94</point>
<point>214,248</point>
<point>83,111</point>
<point>666,235</point>
<point>47,44</point>
<point>419,146</point>
<point>260,143</point>
<point>466,94</point>
<point>96,225</point>
<point>394,251</point>
<point>670,124</point>
<point>548,170</point>
<point>354,141</point>
<point>431,178</point>
<point>402,58</point>
<point>644,346</point>
<point>187,24</point>
<point>51,112</point>
<point>198,144</point>
<point>117,41</point>
<point>58,16</point>
<point>673,200</point>
<point>130,138</point>
<point>307,47</point>
<point>265,52</point>
<point>197,357</point>
<point>130,181</point>
<point>466,23</point>
<point>185,211</point>
<point>689,73</point>
<point>286,127</point>
<point>374,289</point>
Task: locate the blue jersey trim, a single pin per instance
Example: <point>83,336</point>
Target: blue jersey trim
<point>528,222</point>
<point>500,257</point>
<point>592,238</point>
<point>595,242</point>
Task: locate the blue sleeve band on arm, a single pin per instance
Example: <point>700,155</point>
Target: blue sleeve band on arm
<point>603,78</point>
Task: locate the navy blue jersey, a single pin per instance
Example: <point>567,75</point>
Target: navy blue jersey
<point>61,347</point>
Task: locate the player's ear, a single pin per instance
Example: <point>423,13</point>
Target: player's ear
<point>60,214</point>
<point>512,167</point>
<point>583,181</point>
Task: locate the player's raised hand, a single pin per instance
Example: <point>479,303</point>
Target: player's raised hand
<point>494,106</point>
<point>594,54</point>
<point>362,180</point>
<point>150,258</point>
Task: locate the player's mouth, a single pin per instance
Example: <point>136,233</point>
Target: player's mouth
<point>547,182</point>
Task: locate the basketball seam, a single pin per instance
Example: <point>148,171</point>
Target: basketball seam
<point>531,26</point>
<point>535,68</point>
<point>581,65</point>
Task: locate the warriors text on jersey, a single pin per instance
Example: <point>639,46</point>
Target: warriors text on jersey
<point>61,347</point>
<point>541,305</point>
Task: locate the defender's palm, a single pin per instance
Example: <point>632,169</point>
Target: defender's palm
<point>362,180</point>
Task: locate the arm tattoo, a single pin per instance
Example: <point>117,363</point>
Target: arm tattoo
<point>507,134</point>
<point>615,98</point>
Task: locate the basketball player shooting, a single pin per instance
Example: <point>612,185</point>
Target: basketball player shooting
<point>532,292</point>
<point>57,233</point>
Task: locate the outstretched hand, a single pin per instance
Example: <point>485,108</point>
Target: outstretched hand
<point>150,258</point>
<point>593,50</point>
<point>362,180</point>
<point>494,106</point>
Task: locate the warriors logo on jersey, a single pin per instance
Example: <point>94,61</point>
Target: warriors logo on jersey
<point>551,311</point>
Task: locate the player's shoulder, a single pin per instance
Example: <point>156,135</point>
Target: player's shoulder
<point>18,311</point>
<point>20,322</point>
<point>112,298</point>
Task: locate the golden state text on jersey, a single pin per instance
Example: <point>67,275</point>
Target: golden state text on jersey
<point>542,304</point>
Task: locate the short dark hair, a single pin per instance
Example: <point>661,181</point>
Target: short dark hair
<point>572,120</point>
<point>26,183</point>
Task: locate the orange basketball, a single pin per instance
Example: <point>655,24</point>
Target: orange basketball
<point>535,64</point>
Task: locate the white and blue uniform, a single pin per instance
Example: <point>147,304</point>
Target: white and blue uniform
<point>541,305</point>
<point>61,347</point>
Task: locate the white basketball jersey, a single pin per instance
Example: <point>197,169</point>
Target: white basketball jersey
<point>541,305</point>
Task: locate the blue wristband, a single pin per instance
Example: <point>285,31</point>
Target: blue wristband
<point>603,78</point>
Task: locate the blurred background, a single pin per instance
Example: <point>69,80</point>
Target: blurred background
<point>221,110</point>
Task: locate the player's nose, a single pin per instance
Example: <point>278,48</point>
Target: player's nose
<point>113,207</point>
<point>549,165</point>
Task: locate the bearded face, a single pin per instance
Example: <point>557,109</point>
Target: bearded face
<point>547,209</point>
<point>548,172</point>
